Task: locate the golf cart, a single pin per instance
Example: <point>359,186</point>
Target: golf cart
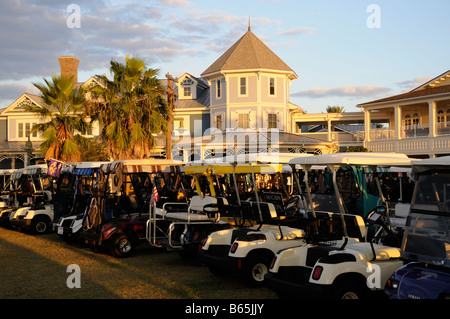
<point>426,243</point>
<point>72,197</point>
<point>118,211</point>
<point>17,194</point>
<point>220,248</point>
<point>37,214</point>
<point>354,266</point>
<point>5,182</point>
<point>216,207</point>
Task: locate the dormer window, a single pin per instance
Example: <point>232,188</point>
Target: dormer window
<point>187,91</point>
<point>187,84</point>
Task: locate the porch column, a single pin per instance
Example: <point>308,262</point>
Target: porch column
<point>397,122</point>
<point>367,125</point>
<point>432,118</point>
<point>329,137</point>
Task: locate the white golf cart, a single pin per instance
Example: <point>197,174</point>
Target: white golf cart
<point>19,191</point>
<point>349,268</point>
<point>220,247</point>
<point>37,215</point>
<point>5,182</point>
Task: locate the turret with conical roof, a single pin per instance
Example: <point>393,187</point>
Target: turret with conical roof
<point>249,87</point>
<point>249,53</point>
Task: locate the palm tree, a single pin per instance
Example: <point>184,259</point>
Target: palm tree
<point>129,108</point>
<point>335,109</point>
<point>63,111</point>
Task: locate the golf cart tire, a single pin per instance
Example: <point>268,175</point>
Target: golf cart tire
<point>122,246</point>
<point>349,287</point>
<point>40,225</point>
<point>255,269</point>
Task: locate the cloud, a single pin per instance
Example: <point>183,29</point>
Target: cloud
<point>297,31</point>
<point>176,3</point>
<point>358,91</point>
<point>409,85</point>
<point>11,91</point>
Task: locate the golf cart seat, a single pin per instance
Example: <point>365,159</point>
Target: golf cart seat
<point>195,210</point>
<point>268,212</point>
<point>381,252</point>
<point>287,233</point>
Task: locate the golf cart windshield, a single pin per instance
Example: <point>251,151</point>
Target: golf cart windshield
<point>428,233</point>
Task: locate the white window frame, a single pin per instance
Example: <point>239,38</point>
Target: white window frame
<point>271,121</point>
<point>274,86</point>
<point>219,120</point>
<point>240,86</point>
<point>244,121</point>
<point>218,89</point>
<point>22,130</point>
<point>185,89</point>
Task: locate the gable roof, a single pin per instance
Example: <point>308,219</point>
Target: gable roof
<point>437,85</point>
<point>440,80</point>
<point>248,53</point>
<point>426,91</point>
<point>19,104</point>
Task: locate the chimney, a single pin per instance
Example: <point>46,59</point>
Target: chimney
<point>69,67</point>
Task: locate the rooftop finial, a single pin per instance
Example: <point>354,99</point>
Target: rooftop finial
<point>248,23</point>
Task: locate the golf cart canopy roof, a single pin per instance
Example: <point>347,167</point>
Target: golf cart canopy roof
<point>87,168</point>
<point>259,158</point>
<point>437,163</point>
<point>150,165</point>
<point>17,173</point>
<point>239,168</point>
<point>36,169</point>
<point>354,159</point>
<point>6,171</point>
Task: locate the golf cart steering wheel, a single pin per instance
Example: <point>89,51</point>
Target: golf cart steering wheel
<point>292,204</point>
<point>377,216</point>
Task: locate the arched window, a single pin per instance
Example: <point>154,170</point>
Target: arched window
<point>441,116</point>
<point>415,119</point>
<point>408,120</point>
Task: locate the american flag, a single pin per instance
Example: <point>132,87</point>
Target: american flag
<point>155,196</point>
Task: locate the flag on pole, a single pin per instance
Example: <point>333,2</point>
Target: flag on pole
<point>54,167</point>
<point>155,196</point>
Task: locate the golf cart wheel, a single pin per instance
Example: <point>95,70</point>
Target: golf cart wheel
<point>255,270</point>
<point>122,246</point>
<point>39,225</point>
<point>348,289</point>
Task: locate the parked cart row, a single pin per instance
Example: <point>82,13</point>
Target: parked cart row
<point>253,216</point>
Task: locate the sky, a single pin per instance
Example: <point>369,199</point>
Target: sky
<point>344,52</point>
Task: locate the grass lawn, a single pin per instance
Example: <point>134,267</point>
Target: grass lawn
<point>35,266</point>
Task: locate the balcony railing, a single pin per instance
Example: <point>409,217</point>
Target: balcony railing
<point>407,131</point>
<point>382,134</point>
<point>443,128</point>
<point>416,130</point>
